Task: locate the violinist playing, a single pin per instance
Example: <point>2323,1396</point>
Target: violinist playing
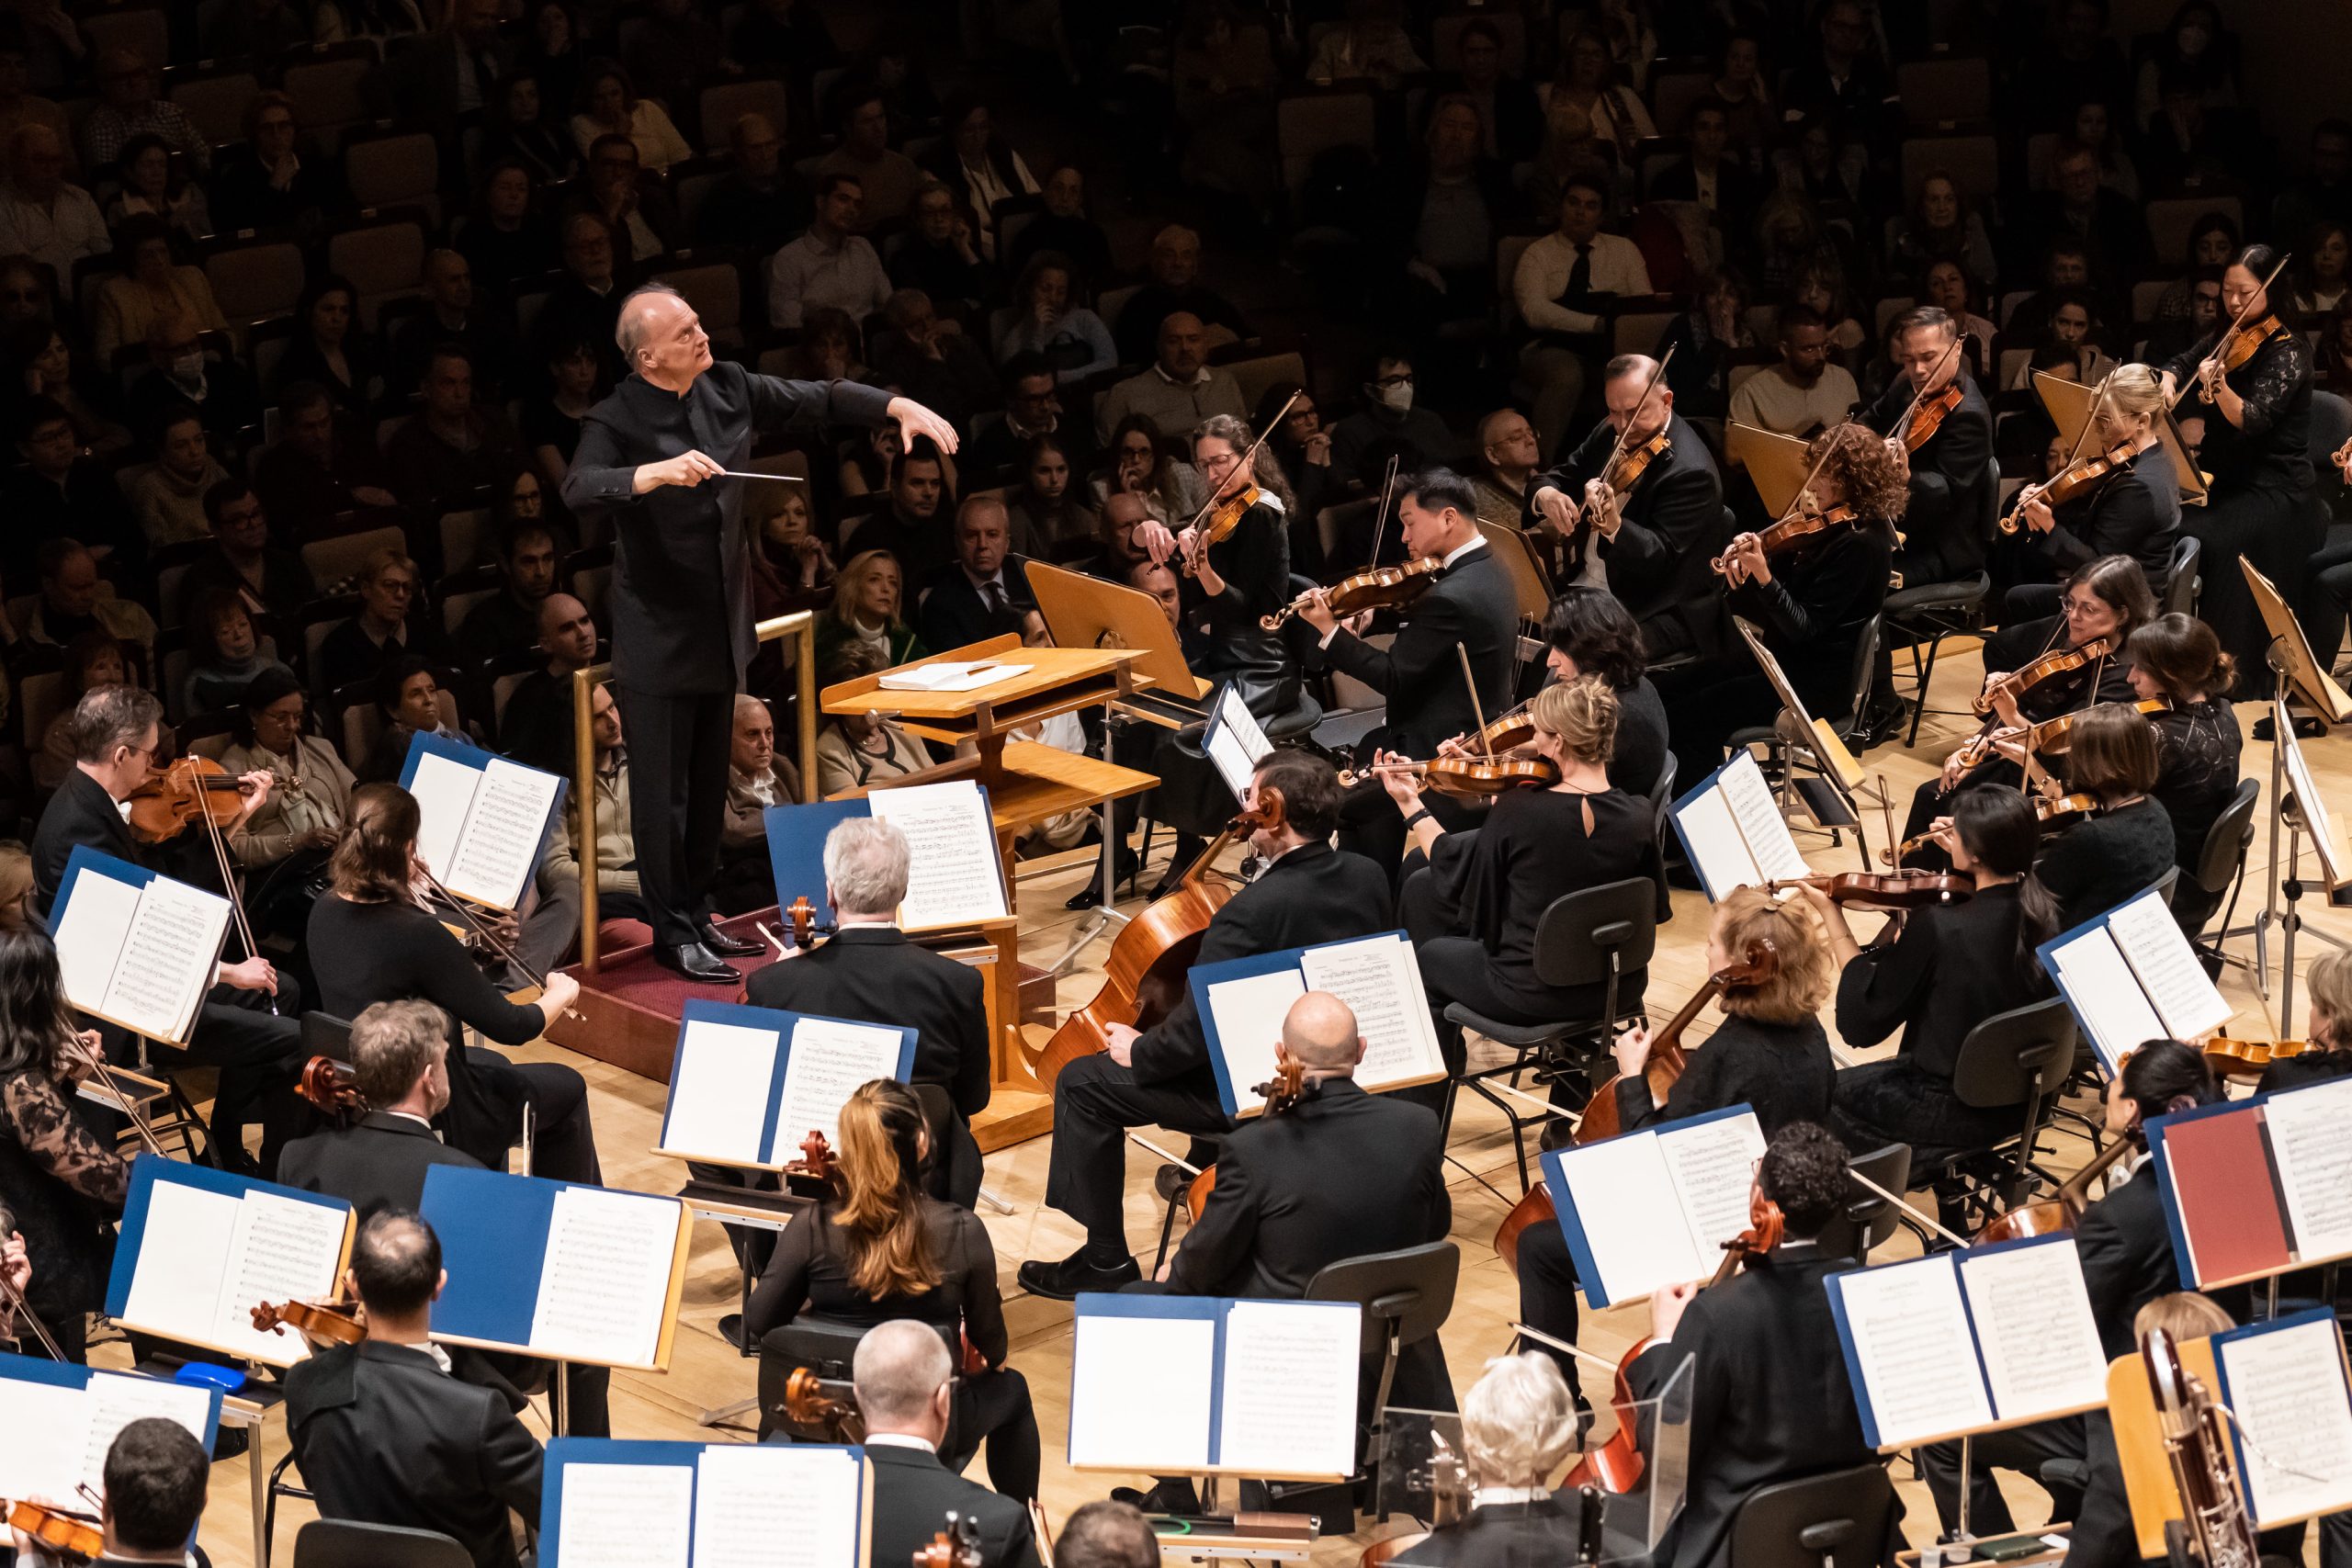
<point>2129,506</point>
<point>2175,660</point>
<point>1644,529</point>
<point>2328,1031</point>
<point>2126,845</point>
<point>1935,972</point>
<point>1770,1395</point>
<point>2253,389</point>
<point>154,1483</point>
<point>1810,599</point>
<point>2105,602</point>
<point>1950,438</point>
<point>1517,1429</point>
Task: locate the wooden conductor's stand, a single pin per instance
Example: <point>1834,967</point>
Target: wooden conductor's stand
<point>1027,783</point>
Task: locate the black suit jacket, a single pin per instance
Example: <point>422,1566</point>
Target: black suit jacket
<point>1673,527</point>
<point>1769,1396</point>
<point>378,1162</point>
<point>81,812</point>
<point>875,974</point>
<point>684,557</point>
<point>1505,1535</point>
<point>1947,472</point>
<point>1313,893</point>
<point>1473,605</point>
<point>2126,1247</point>
<point>954,613</point>
<point>1297,1190</point>
<point>912,1494</point>
<point>383,1435</point>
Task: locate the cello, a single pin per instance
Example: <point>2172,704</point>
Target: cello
<point>1757,964</point>
<point>958,1546</point>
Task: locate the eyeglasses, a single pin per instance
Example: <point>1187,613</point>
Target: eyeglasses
<point>1386,382</point>
<point>244,514</point>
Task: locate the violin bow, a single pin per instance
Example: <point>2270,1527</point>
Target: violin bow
<point>489,939</point>
<point>105,1075</point>
<point>22,1310</point>
<point>1470,684</point>
<point>1797,500</point>
<point>1540,1337</point>
<point>1380,516</point>
<point>218,838</point>
<point>1249,464</point>
<point>1904,1204</point>
<point>2237,321</point>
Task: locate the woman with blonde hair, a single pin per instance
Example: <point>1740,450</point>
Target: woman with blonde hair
<point>868,609</point>
<point>876,1248</point>
<point>2328,1029</point>
<point>2135,511</point>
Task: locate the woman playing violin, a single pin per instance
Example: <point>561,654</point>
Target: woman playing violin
<point>2131,508</point>
<point>1235,565</point>
<point>1935,974</point>
<point>1472,913</point>
<point>2126,845</point>
<point>2253,387</point>
<point>1587,632</point>
<point>2329,1030</point>
<point>876,1246</point>
<point>2176,659</point>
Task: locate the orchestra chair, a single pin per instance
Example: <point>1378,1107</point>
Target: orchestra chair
<point>343,1543</point>
<point>827,1349</point>
<point>1842,1519</point>
<point>1596,936</point>
<point>2182,579</point>
<point>1929,612</point>
<point>2021,1059</point>
<point>1868,1219</point>
<point>2220,871</point>
<point>1407,1296</point>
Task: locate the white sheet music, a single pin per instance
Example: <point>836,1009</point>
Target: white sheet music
<point>2106,994</point>
<point>90,932</point>
<point>284,1249</point>
<point>719,1103</point>
<point>445,796</point>
<point>827,1061</point>
<point>2177,983</point>
<point>1623,1198</point>
<point>1718,850</point>
<point>184,1254</point>
<point>1917,1359</point>
<point>2034,1326</point>
<point>955,877</point>
<point>1379,977</point>
<point>625,1516</point>
<point>114,1400</point>
<point>497,854</point>
<point>44,1434</point>
<point>1139,1391</point>
<point>2326,833</point>
<point>1235,742</point>
<point>1247,1014</point>
<point>605,1281</point>
<point>168,956</point>
<point>1760,822</point>
<point>1713,1165</point>
<point>783,1505</point>
<point>2313,1159</point>
<point>2287,1388</point>
<point>1289,1396</point>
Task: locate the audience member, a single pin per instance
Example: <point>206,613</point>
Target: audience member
<point>507,625</point>
<point>886,178</point>
<point>329,349</point>
<point>1804,393</point>
<point>940,255</point>
<point>183,372</point>
<point>754,204</point>
<point>410,703</point>
<point>91,659</point>
<point>241,561</point>
<point>391,624</point>
<point>152,187</point>
<point>758,776</point>
<point>1045,505</point>
<point>271,180</point>
<point>1386,420</point>
<point>168,496</point>
<point>315,471</point>
<point>57,494</point>
<point>1177,390</point>
<point>74,599</point>
<point>984,593</point>
<point>129,107</point>
<point>452,445</point>
<point>1509,455</point>
<point>452,315</point>
<point>1175,286</point>
<point>831,264</point>
<point>503,237</point>
<point>1064,228</point>
<point>226,652</point>
<point>536,724</point>
<point>1560,280</point>
<point>585,305</point>
<point>517,128</point>
<point>613,109</point>
<point>633,203</point>
<point>1045,322</point>
<point>41,215</point>
<point>926,356</point>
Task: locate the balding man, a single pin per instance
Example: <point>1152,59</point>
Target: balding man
<point>1508,457</point>
<point>984,592</point>
<point>451,316</point>
<point>758,776</point>
<point>1177,391</point>
<point>131,107</point>
<point>40,215</point>
<point>1175,286</point>
<point>536,723</point>
<point>651,457</point>
<point>905,1381</point>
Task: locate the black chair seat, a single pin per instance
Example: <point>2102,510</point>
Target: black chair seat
<point>1958,595</point>
<point>1303,717</point>
<point>1518,1036</point>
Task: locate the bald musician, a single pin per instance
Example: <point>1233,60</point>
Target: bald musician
<point>651,457</point>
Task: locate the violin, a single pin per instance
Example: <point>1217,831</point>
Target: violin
<point>1221,514</point>
<point>333,1087</point>
<point>1471,777</point>
<point>805,924</point>
<point>75,1537</point>
<point>1505,732</point>
<point>2059,1213</point>
<point>1757,964</point>
<point>2076,478</point>
<point>1625,469</point>
<point>958,1546</point>
<point>1284,1090</point>
<point>190,788</point>
<point>2244,1060</point>
<point>806,1403</point>
<point>331,1322</point>
<point>1928,414</point>
<point>2018,682</point>
<point>2241,343</point>
<point>1888,890</point>
<point>1381,588</point>
<point>1792,530</point>
<point>2051,735</point>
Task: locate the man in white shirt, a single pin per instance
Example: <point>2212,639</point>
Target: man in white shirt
<point>1554,288</point>
<point>1177,391</point>
<point>40,215</point>
<point>905,1382</point>
<point>1804,393</point>
<point>830,265</point>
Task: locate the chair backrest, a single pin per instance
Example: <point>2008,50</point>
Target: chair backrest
<point>827,1349</point>
<point>1638,331</point>
<point>216,102</point>
<point>331,93</point>
<point>2170,219</point>
<point>2166,885</point>
<point>467,538</point>
<point>390,171</point>
<point>332,560</point>
<point>1973,161</point>
<point>41,698</point>
<point>145,29</point>
<point>1944,92</point>
<point>1251,377</point>
<point>1869,1219</point>
<point>2014,1056</point>
<point>1865,667</point>
<point>1316,122</point>
<point>381,258</point>
<point>252,281</point>
<point>1836,1520</point>
<point>1579,933</point>
<point>725,104</point>
<point>2228,839</point>
<point>2331,426</point>
<point>716,291</point>
<point>2181,583</point>
<point>1411,1288</point>
<point>346,1543</point>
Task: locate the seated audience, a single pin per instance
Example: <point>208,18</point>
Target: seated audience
<point>226,653</point>
<point>758,776</point>
<point>1176,392</point>
<point>1046,319</point>
<point>506,624</point>
<point>536,724</point>
<point>329,349</point>
<point>613,109</point>
<point>271,581</point>
<point>452,445</point>
<point>152,284</point>
<point>169,496</point>
<point>858,751</point>
<point>91,659</point>
<point>391,624</point>
<point>984,593</point>
<point>408,704</point>
<point>73,600</point>
<point>318,469</point>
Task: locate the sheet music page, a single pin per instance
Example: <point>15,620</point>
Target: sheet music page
<point>185,1253</point>
<point>2326,834</point>
<point>785,1505</point>
<point>1759,820</point>
<point>90,933</point>
<point>2314,1164</point>
<point>1380,979</point>
<point>1624,1197</point>
<point>606,1277</point>
<point>2034,1326</point>
<point>1718,850</point>
<point>1289,1403</point>
<point>827,1061</point>
<point>445,798</point>
<point>719,1103</point>
<point>115,1400</point>
<point>498,852</point>
<point>2106,993</point>
<point>625,1516</point>
<point>1235,742</point>
<point>955,877</point>
<point>2287,1388</point>
<point>1248,1015</point>
<point>167,959</point>
<point>2177,983</point>
<point>1917,1359</point>
<point>1713,1164</point>
<point>1139,1392</point>
<point>44,1435</point>
<point>284,1249</point>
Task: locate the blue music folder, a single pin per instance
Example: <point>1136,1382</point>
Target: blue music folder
<point>1254,993</point>
<point>724,1049</point>
<point>2118,1009</point>
<point>730,1503</point>
<point>1645,1230</point>
<point>2307,1430</point>
<point>514,872</point>
<point>796,835</point>
<point>134,948</point>
<point>67,1411</point>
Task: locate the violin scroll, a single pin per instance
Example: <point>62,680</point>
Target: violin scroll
<point>958,1546</point>
<point>330,1323</point>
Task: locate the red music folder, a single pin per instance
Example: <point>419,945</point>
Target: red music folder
<point>2230,1216</point>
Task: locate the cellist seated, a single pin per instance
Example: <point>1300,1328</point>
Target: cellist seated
<point>1518,1426</point>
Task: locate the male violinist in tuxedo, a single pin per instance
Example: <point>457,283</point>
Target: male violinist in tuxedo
<point>1649,542</point>
<point>1307,893</point>
<point>1473,607</point>
<point>1945,523</point>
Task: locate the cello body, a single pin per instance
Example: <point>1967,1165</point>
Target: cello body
<point>1143,976</point>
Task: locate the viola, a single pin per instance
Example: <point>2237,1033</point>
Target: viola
<point>1505,732</point>
<point>2243,342</point>
<point>333,1323</point>
<point>1626,470</point>
<point>1472,777</point>
<point>2077,479</point>
<point>958,1546</point>
<point>75,1537</point>
<point>806,1403</point>
<point>333,1087</point>
<point>1888,890</point>
<point>1284,1090</point>
<point>2059,1213</point>
<point>1221,514</point>
<point>2244,1060</point>
<point>1755,965</point>
<point>1381,588</point>
<point>2050,735</point>
<point>192,787</point>
<point>1927,415</point>
<point>805,924</point>
<point>2239,343</point>
<point>2063,810</point>
<point>1793,531</point>
<point>2018,682</point>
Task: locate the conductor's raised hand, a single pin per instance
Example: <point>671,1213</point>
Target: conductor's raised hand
<point>688,468</point>
<point>915,420</point>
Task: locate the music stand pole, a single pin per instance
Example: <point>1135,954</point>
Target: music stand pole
<point>2275,656</point>
<point>2290,923</point>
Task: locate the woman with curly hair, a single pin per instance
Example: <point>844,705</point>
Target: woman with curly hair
<point>1809,602</point>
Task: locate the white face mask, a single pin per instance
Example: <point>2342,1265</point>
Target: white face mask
<point>1398,397</point>
<point>188,367</point>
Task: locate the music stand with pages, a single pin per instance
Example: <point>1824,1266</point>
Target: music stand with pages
<point>708,1504</point>
<point>2253,1188</point>
<point>1833,806</point>
<point>2069,406</point>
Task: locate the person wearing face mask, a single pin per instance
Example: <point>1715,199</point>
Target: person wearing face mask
<point>1387,414</point>
<point>220,390</point>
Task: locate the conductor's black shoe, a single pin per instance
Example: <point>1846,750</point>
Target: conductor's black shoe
<point>1064,1281</point>
<point>725,946</point>
<point>696,962</point>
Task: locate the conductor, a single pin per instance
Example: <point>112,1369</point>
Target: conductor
<point>652,457</point>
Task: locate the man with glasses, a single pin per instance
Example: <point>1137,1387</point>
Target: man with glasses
<point>267,183</point>
<point>242,561</point>
<point>1032,407</point>
<point>630,205</point>
<point>752,205</point>
<point>127,83</point>
<point>389,627</point>
<point>940,256</point>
